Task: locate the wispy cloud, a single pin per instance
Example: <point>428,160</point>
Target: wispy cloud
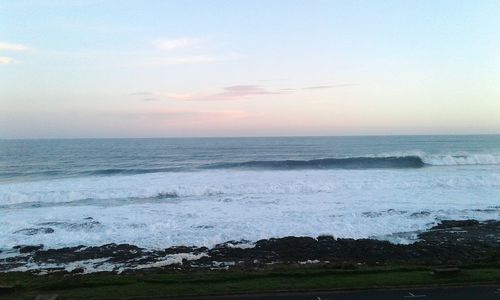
<point>4,46</point>
<point>175,115</point>
<point>178,43</point>
<point>175,96</point>
<point>321,87</point>
<point>145,96</point>
<point>232,93</point>
<point>235,92</point>
<point>6,60</point>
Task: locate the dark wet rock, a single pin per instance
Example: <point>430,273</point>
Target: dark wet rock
<point>456,243</point>
<point>326,238</point>
<point>115,253</point>
<point>78,271</point>
<point>33,231</point>
<point>447,243</point>
<point>233,244</point>
<point>451,224</point>
<point>291,248</point>
<point>28,248</point>
<point>179,249</point>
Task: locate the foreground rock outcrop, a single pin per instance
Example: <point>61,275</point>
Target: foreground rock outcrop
<point>448,243</point>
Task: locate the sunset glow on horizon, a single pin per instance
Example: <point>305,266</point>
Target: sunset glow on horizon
<point>248,68</point>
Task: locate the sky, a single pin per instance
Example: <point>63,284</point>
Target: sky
<point>81,69</point>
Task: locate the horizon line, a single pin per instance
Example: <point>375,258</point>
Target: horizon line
<point>249,136</point>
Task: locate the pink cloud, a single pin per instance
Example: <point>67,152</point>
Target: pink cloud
<point>235,92</point>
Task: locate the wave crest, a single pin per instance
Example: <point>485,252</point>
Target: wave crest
<point>328,163</point>
<point>381,161</point>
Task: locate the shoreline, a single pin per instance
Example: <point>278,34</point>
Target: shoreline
<point>457,243</point>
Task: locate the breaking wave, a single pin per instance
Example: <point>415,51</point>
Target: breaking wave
<point>460,159</point>
<point>329,163</point>
<point>416,160</point>
<point>395,160</point>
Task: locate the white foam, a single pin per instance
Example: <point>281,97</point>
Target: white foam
<point>88,266</point>
<point>462,159</point>
<point>105,264</point>
<point>246,245</point>
<point>172,259</point>
<point>220,183</point>
<point>458,158</point>
<point>218,206</point>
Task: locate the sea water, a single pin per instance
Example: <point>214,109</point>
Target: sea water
<point>157,193</point>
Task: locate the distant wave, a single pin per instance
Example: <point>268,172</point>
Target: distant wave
<point>328,163</point>
<point>382,161</point>
<point>408,160</point>
<point>395,160</point>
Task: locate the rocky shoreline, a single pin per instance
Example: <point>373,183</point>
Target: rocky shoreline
<point>462,242</point>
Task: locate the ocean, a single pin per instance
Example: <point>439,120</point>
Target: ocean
<point>157,193</point>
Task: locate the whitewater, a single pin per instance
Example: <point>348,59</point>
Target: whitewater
<point>166,192</point>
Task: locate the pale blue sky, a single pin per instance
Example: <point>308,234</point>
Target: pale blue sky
<point>248,68</point>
